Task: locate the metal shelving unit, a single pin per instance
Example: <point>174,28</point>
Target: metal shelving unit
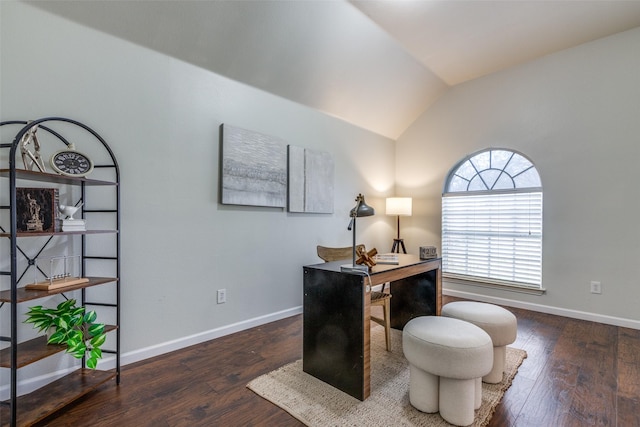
<point>37,405</point>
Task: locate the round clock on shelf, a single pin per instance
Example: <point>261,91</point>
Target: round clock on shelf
<point>70,162</point>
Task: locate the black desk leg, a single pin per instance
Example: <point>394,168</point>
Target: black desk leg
<point>413,297</point>
<point>333,330</point>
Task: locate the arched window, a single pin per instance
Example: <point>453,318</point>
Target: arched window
<point>492,220</point>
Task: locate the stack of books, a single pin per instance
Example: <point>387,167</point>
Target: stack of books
<point>386,259</point>
<point>73,225</point>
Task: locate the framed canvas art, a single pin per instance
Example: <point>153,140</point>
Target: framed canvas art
<point>253,168</point>
<point>311,177</point>
<point>37,209</point>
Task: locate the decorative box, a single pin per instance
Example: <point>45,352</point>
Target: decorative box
<point>428,252</point>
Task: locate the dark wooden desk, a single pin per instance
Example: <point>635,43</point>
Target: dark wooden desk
<point>337,309</point>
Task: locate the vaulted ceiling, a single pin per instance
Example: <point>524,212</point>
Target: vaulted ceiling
<point>375,63</point>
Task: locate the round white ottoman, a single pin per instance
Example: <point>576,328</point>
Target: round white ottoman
<point>447,359</point>
<point>499,323</point>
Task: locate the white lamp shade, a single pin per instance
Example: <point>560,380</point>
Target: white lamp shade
<point>399,206</point>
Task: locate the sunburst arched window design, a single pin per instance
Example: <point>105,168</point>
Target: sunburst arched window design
<point>492,220</point>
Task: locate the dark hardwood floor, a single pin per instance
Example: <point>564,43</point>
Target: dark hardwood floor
<point>577,373</point>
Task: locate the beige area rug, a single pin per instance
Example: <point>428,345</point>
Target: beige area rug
<point>316,403</point>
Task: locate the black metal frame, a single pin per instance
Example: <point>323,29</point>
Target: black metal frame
<point>13,339</point>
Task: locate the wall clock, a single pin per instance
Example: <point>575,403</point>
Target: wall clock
<point>70,162</point>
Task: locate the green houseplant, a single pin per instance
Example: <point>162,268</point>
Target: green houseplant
<point>73,326</point>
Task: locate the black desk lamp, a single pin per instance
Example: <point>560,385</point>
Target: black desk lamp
<point>361,209</point>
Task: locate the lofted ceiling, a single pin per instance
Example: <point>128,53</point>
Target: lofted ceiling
<point>375,63</point>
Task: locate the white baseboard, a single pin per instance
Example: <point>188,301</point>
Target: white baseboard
<point>177,344</point>
<point>26,385</point>
<point>558,311</point>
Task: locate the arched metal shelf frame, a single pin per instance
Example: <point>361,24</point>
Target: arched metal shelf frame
<point>14,174</point>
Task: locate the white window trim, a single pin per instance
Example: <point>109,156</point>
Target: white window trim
<point>493,284</point>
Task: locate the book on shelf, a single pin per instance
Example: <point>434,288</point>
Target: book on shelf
<point>73,225</point>
<point>78,221</point>
<point>386,259</point>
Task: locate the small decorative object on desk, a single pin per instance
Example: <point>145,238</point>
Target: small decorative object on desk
<point>36,209</point>
<point>60,275</point>
<point>387,259</point>
<point>428,252</point>
<point>366,258</point>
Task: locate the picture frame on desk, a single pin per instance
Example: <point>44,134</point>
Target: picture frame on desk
<point>37,210</point>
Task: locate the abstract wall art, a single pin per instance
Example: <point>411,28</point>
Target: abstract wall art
<point>254,168</point>
<point>311,180</point>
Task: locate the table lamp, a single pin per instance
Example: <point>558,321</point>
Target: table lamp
<point>400,206</point>
<point>360,210</point>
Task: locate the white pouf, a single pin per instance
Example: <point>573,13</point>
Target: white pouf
<point>499,323</point>
<point>447,359</point>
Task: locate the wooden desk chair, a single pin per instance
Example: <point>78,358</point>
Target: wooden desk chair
<point>380,298</point>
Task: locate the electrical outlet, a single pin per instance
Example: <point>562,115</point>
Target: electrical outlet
<point>596,288</point>
<point>222,296</point>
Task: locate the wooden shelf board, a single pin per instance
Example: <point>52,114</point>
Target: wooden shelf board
<point>27,295</point>
<point>56,233</point>
<point>36,406</point>
<point>54,178</point>
<point>29,352</point>
<point>34,350</point>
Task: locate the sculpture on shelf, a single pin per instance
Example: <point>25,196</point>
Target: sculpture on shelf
<point>29,159</point>
<point>69,211</point>
<point>34,223</point>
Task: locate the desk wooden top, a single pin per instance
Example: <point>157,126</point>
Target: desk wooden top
<point>408,265</point>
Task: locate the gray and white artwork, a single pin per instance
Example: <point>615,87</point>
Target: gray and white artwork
<point>254,168</point>
<point>310,181</point>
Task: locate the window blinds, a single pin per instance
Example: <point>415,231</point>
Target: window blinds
<point>493,235</point>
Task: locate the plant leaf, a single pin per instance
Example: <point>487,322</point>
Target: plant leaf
<point>92,363</point>
<point>36,316</point>
<point>96,353</point>
<point>34,309</point>
<point>58,337</point>
<point>90,316</point>
<point>61,322</point>
<point>98,340</point>
<point>78,311</point>
<point>96,329</point>
<point>65,305</point>
<point>77,349</point>
<point>76,335</point>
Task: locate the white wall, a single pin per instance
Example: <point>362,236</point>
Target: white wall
<point>576,114</point>
<point>161,117</point>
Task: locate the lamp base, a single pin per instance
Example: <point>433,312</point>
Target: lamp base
<point>396,246</point>
<point>350,268</point>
